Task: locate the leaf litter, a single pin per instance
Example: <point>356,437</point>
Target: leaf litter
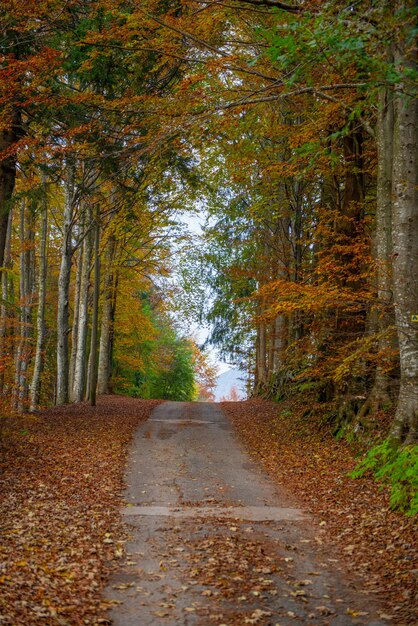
<point>62,480</point>
<point>62,535</point>
<point>380,545</point>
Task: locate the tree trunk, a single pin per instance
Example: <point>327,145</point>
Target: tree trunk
<point>4,312</point>
<point>280,345</point>
<point>405,255</point>
<point>270,350</point>
<point>95,315</point>
<point>380,393</point>
<point>82,325</point>
<point>106,334</point>
<point>74,330</point>
<point>26,233</point>
<point>261,358</point>
<point>40,316</point>
<point>63,288</point>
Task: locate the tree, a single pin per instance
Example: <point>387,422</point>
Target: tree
<point>405,235</point>
<point>363,41</point>
<point>40,317</point>
<point>296,126</point>
<point>232,396</point>
<point>205,374</point>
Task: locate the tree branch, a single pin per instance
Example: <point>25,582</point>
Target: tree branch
<point>275,4</point>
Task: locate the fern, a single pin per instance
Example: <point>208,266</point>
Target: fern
<point>396,467</point>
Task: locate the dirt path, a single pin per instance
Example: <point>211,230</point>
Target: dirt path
<point>212,541</point>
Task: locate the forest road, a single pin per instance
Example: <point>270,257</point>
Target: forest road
<point>213,541</point>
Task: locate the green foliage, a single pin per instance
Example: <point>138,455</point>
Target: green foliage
<point>177,381</point>
<point>339,35</point>
<point>308,386</point>
<point>344,432</point>
<point>397,467</point>
<point>152,360</point>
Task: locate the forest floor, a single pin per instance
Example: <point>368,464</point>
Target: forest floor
<point>380,545</point>
<point>62,475</point>
<point>61,492</point>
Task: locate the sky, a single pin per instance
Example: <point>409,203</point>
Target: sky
<point>193,223</point>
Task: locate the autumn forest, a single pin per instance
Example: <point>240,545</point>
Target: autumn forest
<point>288,130</point>
<point>295,126</point>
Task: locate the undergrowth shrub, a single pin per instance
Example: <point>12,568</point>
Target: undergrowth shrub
<point>396,467</point>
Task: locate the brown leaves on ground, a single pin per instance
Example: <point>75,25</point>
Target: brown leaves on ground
<point>378,544</point>
<point>234,567</point>
<point>61,489</point>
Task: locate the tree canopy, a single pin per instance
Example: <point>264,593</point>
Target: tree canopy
<point>293,125</point>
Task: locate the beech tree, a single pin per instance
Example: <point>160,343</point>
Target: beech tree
<point>297,124</point>
<point>405,235</point>
<point>332,151</point>
<point>40,316</point>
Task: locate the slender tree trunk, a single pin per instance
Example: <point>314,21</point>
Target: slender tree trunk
<point>74,330</point>
<point>112,334</point>
<point>4,312</point>
<point>280,344</point>
<point>281,323</point>
<point>63,289</point>
<point>106,334</point>
<point>261,360</point>
<point>82,326</point>
<point>405,254</point>
<point>26,232</point>
<point>18,352</point>
<point>95,315</point>
<point>40,316</point>
<point>270,351</point>
<point>255,389</point>
<point>80,315</point>
<point>380,392</point>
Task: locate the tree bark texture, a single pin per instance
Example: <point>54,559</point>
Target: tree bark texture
<point>261,356</point>
<point>95,314</point>
<point>82,325</point>
<point>4,308</point>
<point>405,255</point>
<point>380,393</point>
<point>74,329</point>
<point>106,334</point>
<point>63,291</point>
<point>40,316</point>
<point>26,233</point>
